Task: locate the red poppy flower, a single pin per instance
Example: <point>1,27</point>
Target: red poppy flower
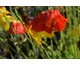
<point>18,28</point>
<point>46,21</point>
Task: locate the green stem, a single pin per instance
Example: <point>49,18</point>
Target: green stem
<point>20,51</point>
<point>11,54</point>
<point>43,47</point>
<point>79,32</point>
<point>75,24</point>
<point>35,11</point>
<point>48,7</point>
<point>52,47</point>
<point>14,50</point>
<point>0,57</point>
<point>45,52</point>
<point>31,43</point>
<point>12,13</point>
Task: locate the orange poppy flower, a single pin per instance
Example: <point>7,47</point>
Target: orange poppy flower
<point>46,21</point>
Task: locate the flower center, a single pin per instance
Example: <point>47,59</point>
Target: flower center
<point>50,22</point>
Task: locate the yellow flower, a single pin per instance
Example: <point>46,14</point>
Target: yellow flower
<point>6,26</point>
<point>3,10</point>
<point>3,22</point>
<point>36,35</point>
<point>76,30</point>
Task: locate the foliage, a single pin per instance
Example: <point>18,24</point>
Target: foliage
<point>64,45</point>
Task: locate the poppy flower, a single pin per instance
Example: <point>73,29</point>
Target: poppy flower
<point>18,28</point>
<point>47,21</point>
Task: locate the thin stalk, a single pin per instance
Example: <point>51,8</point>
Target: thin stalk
<point>2,39</point>
<point>48,7</point>
<point>12,13</point>
<point>44,43</point>
<point>78,14</point>
<point>79,32</point>
<point>43,47</point>
<point>11,36</point>
<point>41,52</point>
<point>14,50</point>
<point>52,47</point>
<point>70,28</point>
<point>45,52</point>
<point>37,49</point>
<point>31,43</point>
<point>75,23</point>
<point>19,50</point>
<point>35,10</point>
<point>0,57</point>
<point>63,10</point>
<point>69,24</point>
<point>11,54</point>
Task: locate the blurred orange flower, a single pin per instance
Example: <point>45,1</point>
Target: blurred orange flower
<point>46,21</point>
<point>58,7</point>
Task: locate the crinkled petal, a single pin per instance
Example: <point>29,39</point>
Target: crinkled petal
<point>46,21</point>
<point>42,34</point>
<point>5,26</point>
<point>45,34</point>
<point>18,28</point>
<point>35,36</point>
